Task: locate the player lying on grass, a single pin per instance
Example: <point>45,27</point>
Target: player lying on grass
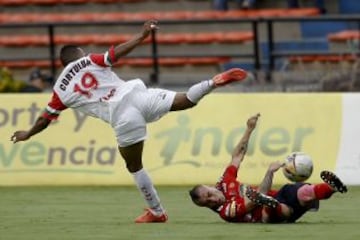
<point>229,197</point>
<point>295,199</point>
<point>236,202</point>
<point>87,84</point>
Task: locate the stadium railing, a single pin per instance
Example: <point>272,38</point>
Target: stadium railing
<point>155,59</point>
<point>315,55</point>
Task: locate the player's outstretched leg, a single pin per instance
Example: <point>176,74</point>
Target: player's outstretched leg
<point>261,199</point>
<point>335,182</point>
<point>231,75</point>
<point>149,217</point>
<point>197,91</point>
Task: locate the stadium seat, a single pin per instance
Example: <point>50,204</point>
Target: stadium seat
<point>349,6</point>
<point>27,64</point>
<point>172,62</point>
<point>110,39</point>
<point>344,36</point>
<point>207,60</point>
<point>23,40</point>
<point>54,2</point>
<point>299,12</point>
<point>236,37</point>
<point>73,1</point>
<point>133,62</point>
<point>323,58</point>
<point>142,16</point>
<point>14,2</point>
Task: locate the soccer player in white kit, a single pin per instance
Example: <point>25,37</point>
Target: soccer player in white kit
<point>87,84</point>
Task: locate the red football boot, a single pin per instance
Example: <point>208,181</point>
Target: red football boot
<point>231,75</point>
<point>149,217</point>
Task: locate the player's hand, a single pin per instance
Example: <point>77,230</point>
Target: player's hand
<point>149,26</point>
<point>251,122</point>
<point>274,166</point>
<point>20,136</point>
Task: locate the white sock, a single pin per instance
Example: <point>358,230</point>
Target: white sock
<point>148,191</point>
<point>199,90</point>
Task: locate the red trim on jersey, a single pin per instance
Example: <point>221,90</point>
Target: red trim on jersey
<point>98,59</point>
<point>112,55</point>
<point>51,117</point>
<point>56,105</point>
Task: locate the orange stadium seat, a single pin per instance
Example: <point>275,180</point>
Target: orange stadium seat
<point>73,1</point>
<point>133,62</point>
<point>111,39</point>
<point>24,40</point>
<point>28,64</point>
<point>220,37</point>
<point>172,15</point>
<point>13,2</point>
<point>115,1</point>
<point>54,2</point>
<point>205,14</point>
<point>136,62</point>
<point>236,37</point>
<point>175,61</point>
<point>207,60</point>
<point>300,12</point>
<point>172,62</point>
<point>141,16</point>
<point>260,13</point>
<point>169,38</point>
<point>201,37</point>
<point>322,58</point>
<point>344,36</point>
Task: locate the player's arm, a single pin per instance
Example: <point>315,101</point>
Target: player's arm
<point>266,183</point>
<point>50,113</point>
<point>124,48</point>
<point>115,53</point>
<point>241,148</point>
<point>40,124</point>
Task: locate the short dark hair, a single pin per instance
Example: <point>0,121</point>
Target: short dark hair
<point>194,194</point>
<point>69,53</point>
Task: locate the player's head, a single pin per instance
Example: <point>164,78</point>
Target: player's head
<point>206,196</point>
<point>70,53</point>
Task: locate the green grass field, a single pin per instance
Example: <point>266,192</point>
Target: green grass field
<point>74,213</point>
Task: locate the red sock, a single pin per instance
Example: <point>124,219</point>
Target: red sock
<point>323,191</point>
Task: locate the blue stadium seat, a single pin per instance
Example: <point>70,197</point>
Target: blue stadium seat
<point>316,29</point>
<point>349,6</point>
<point>303,45</point>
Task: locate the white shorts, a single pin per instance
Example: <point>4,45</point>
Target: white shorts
<point>139,107</point>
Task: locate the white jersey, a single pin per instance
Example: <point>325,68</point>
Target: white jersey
<point>88,85</point>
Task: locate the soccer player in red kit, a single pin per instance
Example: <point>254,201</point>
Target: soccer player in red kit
<point>87,84</point>
<point>234,201</point>
<point>229,197</point>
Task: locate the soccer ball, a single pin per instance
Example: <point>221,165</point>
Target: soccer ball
<point>298,167</point>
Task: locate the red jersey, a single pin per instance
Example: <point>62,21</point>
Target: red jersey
<point>234,210</point>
